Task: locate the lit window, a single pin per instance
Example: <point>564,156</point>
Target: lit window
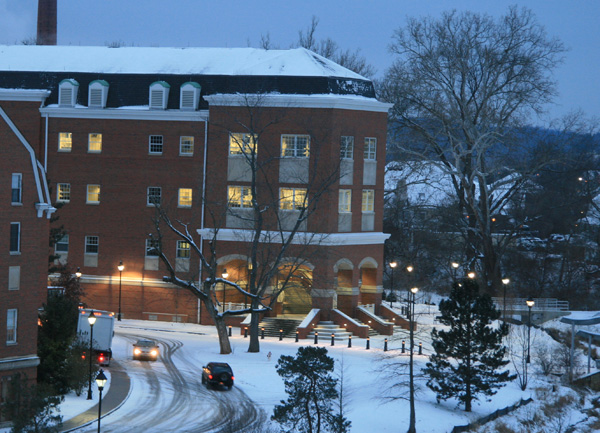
<point>295,146</point>
<point>347,147</point>
<point>64,192</point>
<point>185,197</point>
<point>345,200</point>
<point>370,148</point>
<point>154,195</point>
<point>292,198</point>
<point>11,326</point>
<point>95,143</point>
<point>152,247</point>
<point>186,146</point>
<point>156,144</point>
<point>65,141</point>
<point>241,144</point>
<point>93,194</point>
<point>16,188</point>
<point>183,250</point>
<point>368,200</point>
<point>91,244</point>
<point>15,238</point>
<point>62,245</point>
<point>239,196</point>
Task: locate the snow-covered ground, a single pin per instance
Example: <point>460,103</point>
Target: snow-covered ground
<point>366,375</point>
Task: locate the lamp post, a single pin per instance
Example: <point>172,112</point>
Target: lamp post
<point>530,303</point>
<point>120,268</point>
<point>409,269</point>
<point>455,266</point>
<point>91,321</point>
<point>100,381</point>
<point>505,282</point>
<point>78,273</point>
<point>471,275</point>
<point>392,296</point>
<point>224,274</point>
<point>411,426</point>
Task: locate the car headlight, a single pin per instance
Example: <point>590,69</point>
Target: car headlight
<point>136,351</point>
<point>154,352</point>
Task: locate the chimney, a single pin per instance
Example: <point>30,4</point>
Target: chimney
<point>46,24</point>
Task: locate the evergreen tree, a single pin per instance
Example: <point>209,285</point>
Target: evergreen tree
<point>312,390</point>
<point>469,355</point>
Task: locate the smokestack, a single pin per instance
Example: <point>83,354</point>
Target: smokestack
<point>46,23</point>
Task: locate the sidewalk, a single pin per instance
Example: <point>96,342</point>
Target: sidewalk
<point>114,398</point>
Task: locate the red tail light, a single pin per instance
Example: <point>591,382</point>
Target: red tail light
<point>232,378</point>
<point>101,357</point>
<point>210,376</point>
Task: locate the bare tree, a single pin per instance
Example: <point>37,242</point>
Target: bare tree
<point>460,85</point>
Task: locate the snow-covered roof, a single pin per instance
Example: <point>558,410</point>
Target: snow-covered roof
<point>153,60</point>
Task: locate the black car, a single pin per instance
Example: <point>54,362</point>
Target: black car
<point>217,373</point>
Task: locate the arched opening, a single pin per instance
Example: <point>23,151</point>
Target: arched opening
<point>368,281</point>
<point>233,268</point>
<point>294,285</point>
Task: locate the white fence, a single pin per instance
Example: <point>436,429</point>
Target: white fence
<point>541,304</point>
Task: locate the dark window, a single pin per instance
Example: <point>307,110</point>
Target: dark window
<point>15,237</point>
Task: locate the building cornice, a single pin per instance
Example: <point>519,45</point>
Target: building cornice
<point>300,238</point>
<point>27,95</point>
<point>300,101</point>
<point>16,363</point>
<point>128,281</point>
<point>125,114</point>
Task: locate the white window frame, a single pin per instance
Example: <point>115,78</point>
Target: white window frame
<point>186,145</point>
<point>183,252</point>
<point>293,193</point>
<point>151,194</point>
<point>65,141</point>
<point>368,200</point>
<point>16,189</point>
<point>63,189</point>
<point>370,149</point>
<point>182,199</point>
<point>242,195</point>
<point>347,147</point>
<point>14,277</point>
<point>12,321</point>
<point>91,243</point>
<point>94,139</point>
<point>150,245</point>
<point>345,201</point>
<point>89,196</point>
<point>62,241</point>
<point>153,140</point>
<point>241,144</point>
<point>10,242</point>
<point>291,147</point>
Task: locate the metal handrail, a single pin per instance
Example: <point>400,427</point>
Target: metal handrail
<point>541,304</point>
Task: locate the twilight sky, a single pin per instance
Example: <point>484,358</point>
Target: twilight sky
<point>367,25</point>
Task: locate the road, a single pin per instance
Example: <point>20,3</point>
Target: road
<point>167,395</point>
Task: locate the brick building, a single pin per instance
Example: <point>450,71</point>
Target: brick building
<point>123,128</point>
<point>25,212</point>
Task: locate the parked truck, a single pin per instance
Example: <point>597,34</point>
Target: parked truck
<point>101,333</point>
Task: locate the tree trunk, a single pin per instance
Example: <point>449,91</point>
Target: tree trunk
<point>224,343</point>
<point>254,346</point>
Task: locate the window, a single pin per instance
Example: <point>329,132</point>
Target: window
<point>368,200</point>
<point>295,146</point>
<point>91,244</point>
<point>65,141</point>
<point>62,245</point>
<point>15,238</point>
<point>14,277</point>
<point>63,192</point>
<point>93,194</point>
<point>183,250</point>
<point>152,247</point>
<point>155,144</point>
<point>11,326</point>
<point>347,147</point>
<point>159,95</point>
<point>15,195</point>
<point>345,200</point>
<point>97,94</point>
<point>95,143</point>
<point>239,196</point>
<point>186,146</point>
<point>370,148</point>
<point>189,95</point>
<point>154,195</point>
<point>185,197</point>
<point>292,198</point>
<point>241,144</point>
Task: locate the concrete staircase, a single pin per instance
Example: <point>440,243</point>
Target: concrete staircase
<point>272,326</point>
<point>326,328</point>
<point>372,332</point>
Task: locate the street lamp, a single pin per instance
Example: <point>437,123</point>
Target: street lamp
<point>78,273</point>
<point>471,275</point>
<point>91,320</point>
<point>455,266</point>
<point>392,296</point>
<point>224,274</point>
<point>505,282</point>
<point>120,268</point>
<point>100,381</point>
<point>530,303</point>
<point>411,427</point>
<point>409,269</point>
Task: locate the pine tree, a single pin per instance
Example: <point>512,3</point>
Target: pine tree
<point>469,355</point>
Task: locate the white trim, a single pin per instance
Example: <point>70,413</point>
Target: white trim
<point>342,102</point>
<point>142,113</point>
<point>322,239</point>
<point>23,95</point>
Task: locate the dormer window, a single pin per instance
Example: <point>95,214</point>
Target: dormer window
<point>97,94</point>
<point>67,93</point>
<point>189,96</point>
<point>159,95</point>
